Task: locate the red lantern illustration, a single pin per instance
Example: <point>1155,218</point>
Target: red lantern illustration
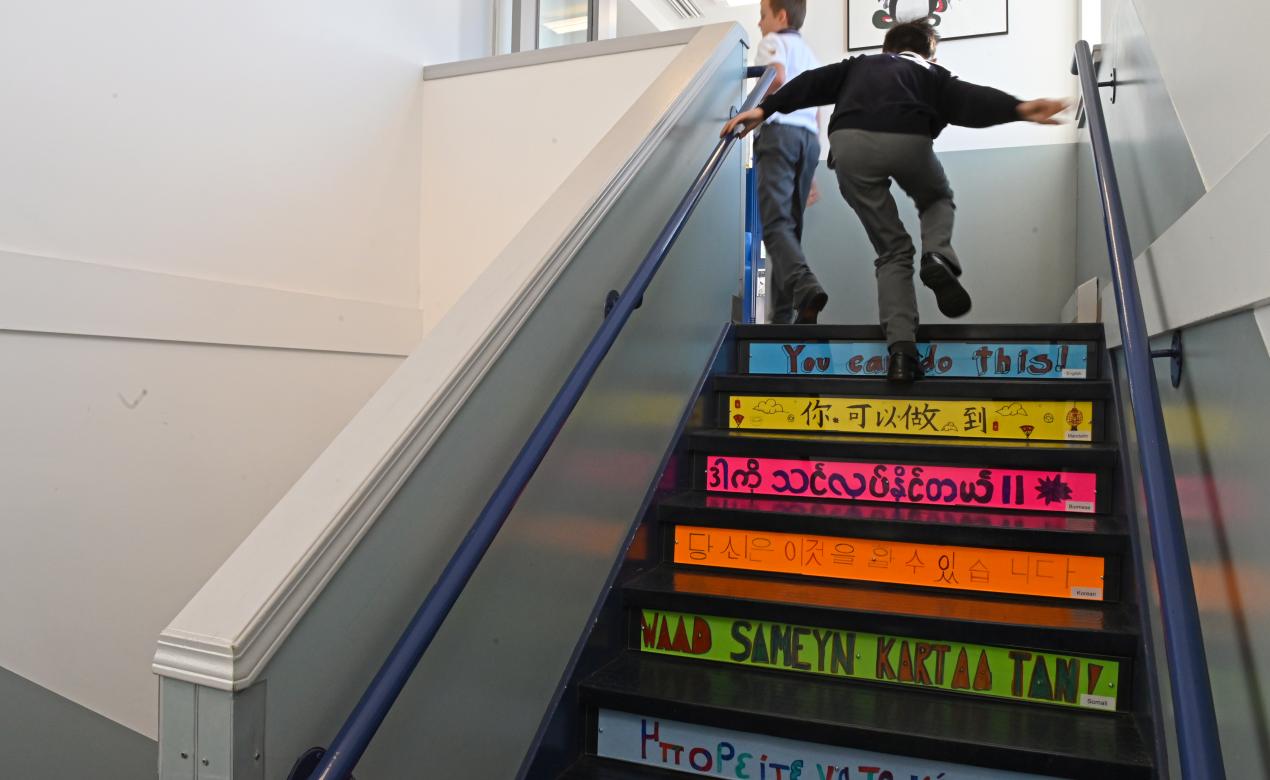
<point>1075,418</point>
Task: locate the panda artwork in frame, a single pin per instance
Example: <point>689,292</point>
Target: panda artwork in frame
<point>868,20</point>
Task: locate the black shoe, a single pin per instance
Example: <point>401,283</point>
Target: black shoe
<point>905,368</point>
<point>940,275</point>
<point>809,310</point>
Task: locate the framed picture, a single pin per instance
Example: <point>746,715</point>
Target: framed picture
<point>868,20</point>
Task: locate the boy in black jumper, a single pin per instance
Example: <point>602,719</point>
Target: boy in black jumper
<point>889,108</point>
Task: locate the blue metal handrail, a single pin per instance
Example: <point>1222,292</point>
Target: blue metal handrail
<point>346,750</point>
<point>753,227</point>
<point>1199,749</point>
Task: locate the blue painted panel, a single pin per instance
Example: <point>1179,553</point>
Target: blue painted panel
<point>942,359</point>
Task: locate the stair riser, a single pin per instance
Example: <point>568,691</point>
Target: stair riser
<point>897,562</point>
<point>1071,421</point>
<point>704,750</point>
<point>964,669</point>
<point>942,359</point>
<point>943,486</point>
<point>1065,534</point>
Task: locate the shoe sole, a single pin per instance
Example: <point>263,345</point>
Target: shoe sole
<point>810,312</point>
<point>952,298</point>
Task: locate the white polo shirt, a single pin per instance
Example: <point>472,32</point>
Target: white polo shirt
<point>789,49</point>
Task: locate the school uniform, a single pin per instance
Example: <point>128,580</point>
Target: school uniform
<point>787,151</point>
<point>888,109</point>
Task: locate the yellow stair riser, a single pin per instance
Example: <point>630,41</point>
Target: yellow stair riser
<point>971,419</point>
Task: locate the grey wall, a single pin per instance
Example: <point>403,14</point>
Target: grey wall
<point>1016,235</point>
<point>1218,428</point>
<point>1175,98</point>
<point>46,737</point>
<point>476,701</point>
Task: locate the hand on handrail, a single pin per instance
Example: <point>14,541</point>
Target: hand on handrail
<point>745,122</point>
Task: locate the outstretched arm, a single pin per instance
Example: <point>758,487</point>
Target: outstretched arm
<point>972,105</point>
<point>816,87</point>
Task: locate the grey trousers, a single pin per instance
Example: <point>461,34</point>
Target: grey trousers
<point>866,162</point>
<point>787,157</point>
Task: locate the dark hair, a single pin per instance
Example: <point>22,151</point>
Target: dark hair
<point>917,36</point>
<point>796,10</point>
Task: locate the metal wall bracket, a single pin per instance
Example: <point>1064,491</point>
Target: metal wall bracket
<point>308,762</point>
<point>1113,82</point>
<point>611,299</point>
<point>1174,353</point>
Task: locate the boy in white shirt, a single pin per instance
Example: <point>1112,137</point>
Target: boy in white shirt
<point>787,152</point>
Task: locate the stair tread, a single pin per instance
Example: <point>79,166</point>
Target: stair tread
<point>875,387</point>
<point>992,332</point>
<point>812,515</point>
<point>1107,629</point>
<point>922,724</point>
<point>906,449</point>
<point>596,768</point>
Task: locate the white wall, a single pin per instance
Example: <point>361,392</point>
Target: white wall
<point>209,249</point>
<point>1217,83</point>
<point>1194,124</point>
<point>632,21</point>
<point>131,470</point>
<point>1034,60</point>
<point>503,141</point>
<point>271,143</point>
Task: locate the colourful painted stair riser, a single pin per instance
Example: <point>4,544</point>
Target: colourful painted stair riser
<point>977,419</point>
<point>984,570</point>
<point>980,670</point>
<point>905,484</point>
<point>707,751</point>
<point>941,359</point>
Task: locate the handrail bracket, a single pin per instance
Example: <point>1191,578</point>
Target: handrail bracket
<point>1113,82</point>
<point>1174,353</point>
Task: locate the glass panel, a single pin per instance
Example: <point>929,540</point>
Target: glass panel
<point>562,22</point>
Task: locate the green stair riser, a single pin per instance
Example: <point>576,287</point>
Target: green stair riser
<point>969,669</point>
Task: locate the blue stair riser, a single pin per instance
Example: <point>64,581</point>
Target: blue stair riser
<point>962,360</point>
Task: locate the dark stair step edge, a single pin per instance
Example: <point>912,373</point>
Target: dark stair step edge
<point>872,387</point>
<point>908,450</point>
<point>1076,534</point>
<point>1087,628</point>
<point>1037,333</point>
<point>596,768</point>
<point>1029,738</point>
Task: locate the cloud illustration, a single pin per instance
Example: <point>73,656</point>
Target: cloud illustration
<point>769,407</point>
<point>1012,410</point>
<point>951,427</point>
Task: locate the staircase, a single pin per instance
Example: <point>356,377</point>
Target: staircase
<point>854,579</point>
